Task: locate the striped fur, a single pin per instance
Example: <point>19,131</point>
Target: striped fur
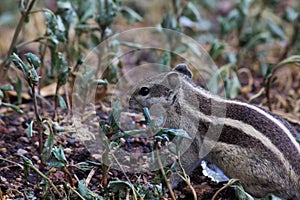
<point>254,145</point>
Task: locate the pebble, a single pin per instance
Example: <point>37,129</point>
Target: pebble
<point>3,150</point>
<point>24,139</point>
<point>35,158</point>
<point>22,152</point>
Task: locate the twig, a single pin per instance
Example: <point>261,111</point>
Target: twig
<point>230,182</point>
<point>12,162</point>
<point>163,173</point>
<point>77,193</point>
<point>5,64</point>
<point>186,179</point>
<point>46,178</point>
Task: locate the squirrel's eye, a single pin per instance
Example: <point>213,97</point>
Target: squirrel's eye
<point>144,91</point>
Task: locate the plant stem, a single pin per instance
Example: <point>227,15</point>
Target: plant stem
<point>186,179</point>
<point>77,193</point>
<point>38,119</point>
<point>5,64</point>
<point>163,173</point>
<point>12,162</point>
<point>47,179</point>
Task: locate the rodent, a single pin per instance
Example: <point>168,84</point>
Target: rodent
<point>255,146</point>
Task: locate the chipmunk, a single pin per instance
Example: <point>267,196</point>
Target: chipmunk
<point>255,146</point>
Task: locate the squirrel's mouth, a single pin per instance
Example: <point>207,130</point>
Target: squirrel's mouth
<point>134,105</point>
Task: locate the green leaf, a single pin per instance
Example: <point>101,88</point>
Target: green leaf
<point>20,65</point>
<point>6,87</point>
<point>27,165</point>
<point>29,129</point>
<point>241,194</point>
<point>33,77</point>
<point>291,14</point>
<point>130,15</point>
<point>63,70</point>
<point>258,39</point>
<point>59,159</point>
<point>33,60</point>
<point>62,102</point>
<point>146,114</point>
<point>114,117</point>
<point>213,83</point>
<point>276,30</point>
<point>120,185</point>
<point>19,87</point>
<point>50,141</point>
<point>100,81</point>
<point>86,193</point>
<point>235,86</point>
<point>16,108</point>
<point>192,12</point>
<point>132,45</point>
<point>298,138</point>
<point>216,49</point>
<point>1,96</point>
<point>176,132</point>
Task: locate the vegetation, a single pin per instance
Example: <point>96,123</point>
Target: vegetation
<point>255,44</point>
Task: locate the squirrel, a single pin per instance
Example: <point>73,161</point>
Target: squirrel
<point>253,145</point>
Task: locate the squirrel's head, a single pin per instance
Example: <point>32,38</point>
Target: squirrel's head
<point>162,89</point>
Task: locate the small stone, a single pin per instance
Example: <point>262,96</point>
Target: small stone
<point>12,129</point>
<point>36,158</point>
<point>22,152</point>
<point>3,150</point>
<point>24,139</point>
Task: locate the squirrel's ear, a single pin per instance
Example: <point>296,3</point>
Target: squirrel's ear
<point>172,80</point>
<point>182,68</point>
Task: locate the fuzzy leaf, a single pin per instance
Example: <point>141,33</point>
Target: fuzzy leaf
<point>29,129</point>
<point>16,108</point>
<point>130,15</point>
<point>62,102</point>
<point>33,60</point>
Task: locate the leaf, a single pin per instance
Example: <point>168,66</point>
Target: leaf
<point>146,114</point>
<point>50,141</point>
<point>276,30</point>
<point>216,49</point>
<point>63,70</point>
<point>59,159</point>
<point>100,81</point>
<point>16,108</point>
<point>258,39</point>
<point>6,87</point>
<point>29,129</point>
<point>62,102</point>
<point>291,14</point>
<point>86,193</point>
<point>33,77</point>
<point>27,164</point>
<point>20,65</point>
<point>130,15</point>
<point>176,132</point>
<point>132,45</point>
<point>18,87</point>
<point>33,60</point>
<point>192,12</point>
<point>241,194</point>
<point>114,117</point>
<point>118,185</point>
<point>235,86</point>
<point>213,83</point>
<point>298,138</point>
